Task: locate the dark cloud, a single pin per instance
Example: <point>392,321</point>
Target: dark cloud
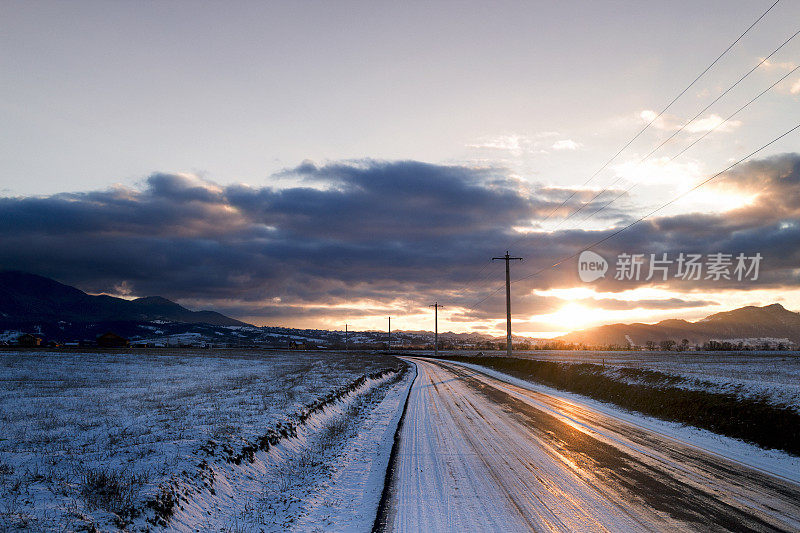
<point>403,232</point>
<point>769,225</point>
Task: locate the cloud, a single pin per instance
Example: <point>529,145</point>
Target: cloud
<point>668,122</point>
<point>515,145</point>
<point>378,226</point>
<point>795,88</point>
<point>372,235</point>
<point>566,144</point>
<point>660,170</point>
<point>712,122</point>
<point>663,122</point>
<point>776,65</point>
<point>518,144</point>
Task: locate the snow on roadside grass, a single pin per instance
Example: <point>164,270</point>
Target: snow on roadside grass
<point>774,462</point>
<point>326,477</point>
<point>86,438</point>
<point>770,375</point>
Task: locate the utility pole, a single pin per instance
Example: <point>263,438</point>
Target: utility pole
<point>436,308</point>
<point>346,343</point>
<point>389,344</point>
<point>507,258</point>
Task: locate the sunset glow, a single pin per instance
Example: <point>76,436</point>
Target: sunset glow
<point>283,203</point>
<point>400,266</point>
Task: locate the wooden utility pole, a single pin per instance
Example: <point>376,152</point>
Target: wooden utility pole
<point>389,344</point>
<point>346,343</point>
<point>507,258</point>
<point>436,308</point>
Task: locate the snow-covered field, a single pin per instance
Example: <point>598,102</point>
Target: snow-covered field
<point>775,462</point>
<point>771,375</point>
<point>774,375</point>
<point>100,440</point>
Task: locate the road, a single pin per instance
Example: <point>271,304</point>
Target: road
<point>479,454</point>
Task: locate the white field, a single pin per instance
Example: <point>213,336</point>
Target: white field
<point>774,462</point>
<point>84,435</point>
<point>775,376</point>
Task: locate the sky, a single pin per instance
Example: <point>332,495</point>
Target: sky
<point>311,164</point>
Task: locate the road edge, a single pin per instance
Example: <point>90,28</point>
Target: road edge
<point>618,412</point>
<point>383,506</point>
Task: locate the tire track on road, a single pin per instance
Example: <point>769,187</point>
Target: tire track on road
<point>476,455</point>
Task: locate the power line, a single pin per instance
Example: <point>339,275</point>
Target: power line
<point>664,110</point>
<point>726,91</point>
<point>614,234</point>
<point>476,283</point>
<point>478,280</point>
<point>479,302</point>
<point>679,130</point>
<point>668,106</point>
<point>729,117</point>
<point>626,191</point>
<point>672,201</point>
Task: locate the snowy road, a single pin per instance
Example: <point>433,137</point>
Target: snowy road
<point>480,454</point>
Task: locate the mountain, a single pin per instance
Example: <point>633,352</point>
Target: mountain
<point>28,298</point>
<point>751,322</point>
<point>449,335</point>
<point>56,311</point>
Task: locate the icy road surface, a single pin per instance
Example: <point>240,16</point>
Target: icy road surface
<point>480,454</point>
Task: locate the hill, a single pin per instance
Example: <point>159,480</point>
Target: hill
<point>748,324</point>
<point>28,298</point>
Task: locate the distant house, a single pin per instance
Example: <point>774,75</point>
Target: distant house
<point>28,340</point>
<point>111,340</point>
